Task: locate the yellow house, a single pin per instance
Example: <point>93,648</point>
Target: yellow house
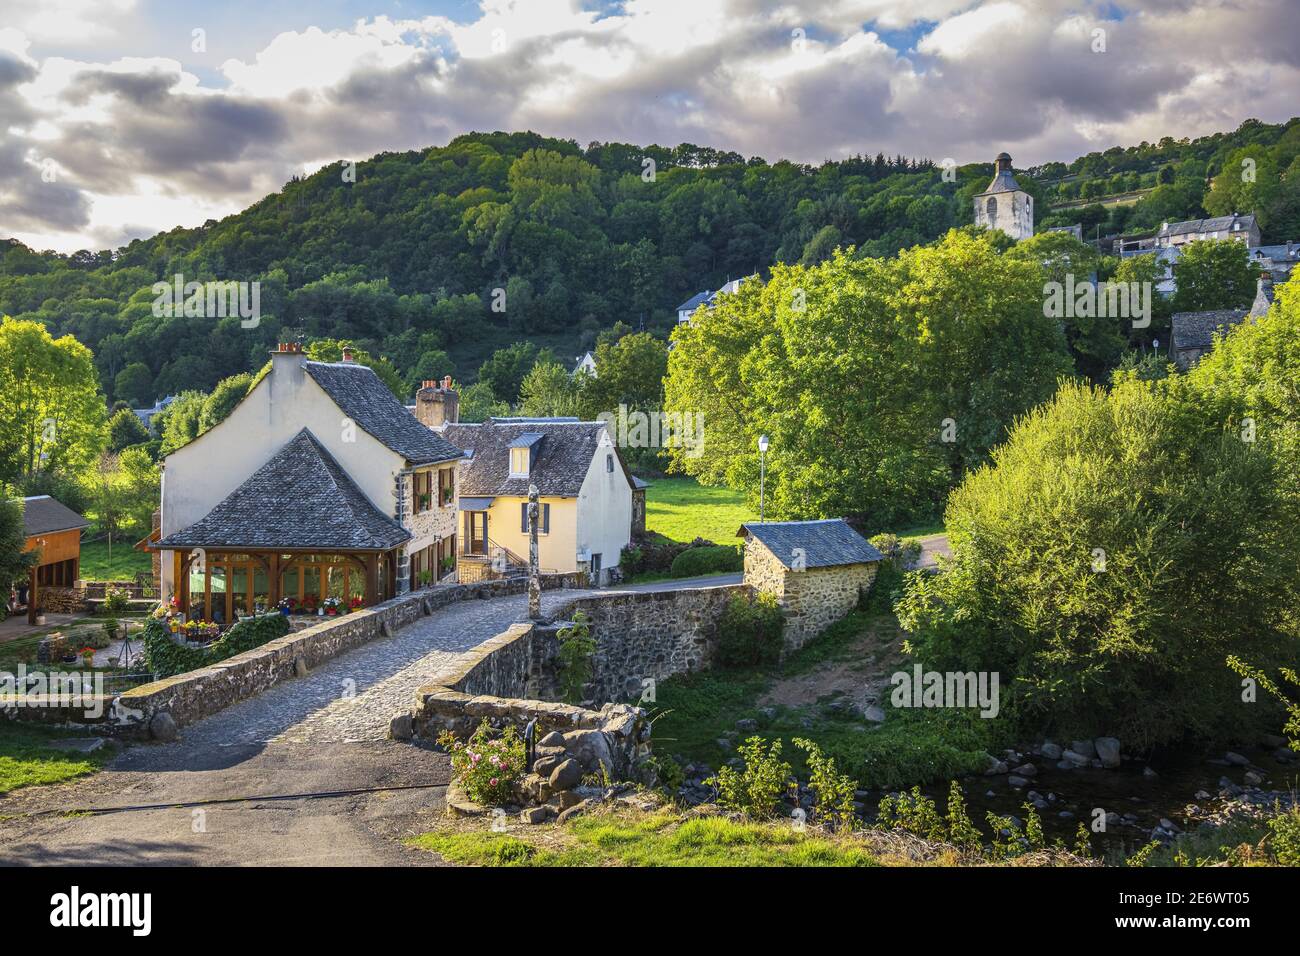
<point>585,517</point>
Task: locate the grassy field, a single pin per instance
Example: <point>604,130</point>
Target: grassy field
<point>683,509</point>
<point>127,562</point>
<point>26,759</point>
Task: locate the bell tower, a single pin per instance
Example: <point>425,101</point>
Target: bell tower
<point>1004,205</point>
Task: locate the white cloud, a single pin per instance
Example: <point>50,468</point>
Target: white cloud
<point>145,141</point>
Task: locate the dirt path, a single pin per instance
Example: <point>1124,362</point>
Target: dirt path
<point>859,673</point>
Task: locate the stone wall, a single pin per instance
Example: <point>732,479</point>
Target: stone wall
<point>653,635</point>
<point>203,692</point>
<point>54,599</point>
<point>812,599</point>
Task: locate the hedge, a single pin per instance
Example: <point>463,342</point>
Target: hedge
<point>167,658</point>
<point>708,559</point>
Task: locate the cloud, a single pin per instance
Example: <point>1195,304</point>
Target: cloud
<point>157,142</point>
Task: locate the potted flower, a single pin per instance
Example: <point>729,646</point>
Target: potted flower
<point>448,494</point>
<point>424,501</point>
<point>355,603</point>
<point>88,657</point>
<point>331,606</point>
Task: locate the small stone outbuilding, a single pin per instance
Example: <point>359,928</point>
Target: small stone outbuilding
<point>816,570</point>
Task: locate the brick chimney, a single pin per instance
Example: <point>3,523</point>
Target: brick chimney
<point>437,404</point>
<point>347,355</point>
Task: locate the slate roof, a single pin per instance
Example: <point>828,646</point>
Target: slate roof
<point>363,397</point>
<point>301,498</point>
<point>560,459</point>
<point>1004,181</point>
<point>827,543</point>
<point>1195,330</point>
<point>694,302</point>
<point>1215,224</point>
<point>45,515</point>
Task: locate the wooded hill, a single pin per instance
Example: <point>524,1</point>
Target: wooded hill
<point>404,254</point>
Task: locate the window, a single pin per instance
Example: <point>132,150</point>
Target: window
<point>519,462</point>
<point>446,487</point>
<point>543,518</point>
<point>991,209</point>
<point>421,488</point>
<point>609,463</point>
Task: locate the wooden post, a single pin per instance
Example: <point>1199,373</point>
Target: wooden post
<point>372,566</point>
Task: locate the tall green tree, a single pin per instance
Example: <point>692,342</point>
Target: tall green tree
<point>53,415</point>
<point>1214,274</point>
<point>124,429</point>
<point>548,390</point>
<point>14,562</point>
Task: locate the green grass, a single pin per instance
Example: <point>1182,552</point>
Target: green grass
<point>693,711</point>
<point>27,760</point>
<point>683,509</point>
<point>127,562</point>
<point>660,839</point>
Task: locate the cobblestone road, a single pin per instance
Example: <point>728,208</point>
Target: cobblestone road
<point>353,697</point>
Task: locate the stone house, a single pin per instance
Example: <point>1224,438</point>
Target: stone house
<point>816,570</point>
<point>319,484</point>
<point>1193,332</point>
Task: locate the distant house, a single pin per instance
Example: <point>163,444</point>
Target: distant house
<point>318,485</point>
<point>1239,228</point>
<point>54,530</point>
<point>1278,261</point>
<point>1076,230</point>
<point>1193,332</point>
<point>816,569</point>
<point>146,414</point>
<point>585,496</point>
<point>708,299</point>
<point>586,363</point>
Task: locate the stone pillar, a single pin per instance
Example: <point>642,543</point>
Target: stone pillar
<point>534,576</point>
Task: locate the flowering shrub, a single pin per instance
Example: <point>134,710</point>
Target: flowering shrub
<point>486,767</point>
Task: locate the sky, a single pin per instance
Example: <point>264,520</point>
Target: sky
<point>122,118</point>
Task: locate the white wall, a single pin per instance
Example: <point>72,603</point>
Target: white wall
<point>605,507</point>
<point>199,476</point>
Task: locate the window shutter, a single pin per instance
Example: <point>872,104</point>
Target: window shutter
<point>546,519</point>
<point>523,517</point>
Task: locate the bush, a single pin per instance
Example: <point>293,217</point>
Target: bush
<point>166,658</point>
<point>486,767</point>
<point>834,790</point>
<point>1121,545</point>
<point>574,657</point>
<point>756,790</point>
<point>891,576</point>
<point>707,559</point>
<point>116,600</point>
<point>654,554</point>
<point>749,631</point>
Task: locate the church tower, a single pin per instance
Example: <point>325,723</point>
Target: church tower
<point>1004,205</point>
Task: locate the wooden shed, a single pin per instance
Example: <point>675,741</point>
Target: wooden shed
<point>53,529</point>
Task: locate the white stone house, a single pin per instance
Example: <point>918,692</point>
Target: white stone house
<point>586,363</point>
<point>319,484</point>
<point>816,570</point>
<point>585,496</point>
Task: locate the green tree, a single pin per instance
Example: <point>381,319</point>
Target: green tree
<point>1118,547</point>
<point>53,415</point>
<point>227,393</point>
<point>14,562</point>
<point>1214,274</point>
<point>478,403</point>
<point>331,350</point>
<point>134,384</point>
<point>124,429</point>
<point>548,389</point>
<point>504,371</point>
<point>179,423</point>
<point>629,372</point>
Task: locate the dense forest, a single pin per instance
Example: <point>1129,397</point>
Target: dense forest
<point>435,259</point>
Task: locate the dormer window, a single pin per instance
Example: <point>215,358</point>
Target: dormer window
<point>518,462</point>
<point>522,453</point>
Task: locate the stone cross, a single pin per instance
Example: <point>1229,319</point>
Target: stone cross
<point>534,576</point>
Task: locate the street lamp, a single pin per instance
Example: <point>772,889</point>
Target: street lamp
<point>762,473</point>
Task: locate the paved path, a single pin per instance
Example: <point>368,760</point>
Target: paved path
<point>266,775</point>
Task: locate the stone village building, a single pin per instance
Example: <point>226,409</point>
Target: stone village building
<point>1193,332</point>
<point>1004,205</point>
<point>816,569</point>
<point>321,485</point>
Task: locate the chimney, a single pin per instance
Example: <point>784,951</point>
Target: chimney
<point>437,405</point>
<point>286,362</point>
<point>347,354</point>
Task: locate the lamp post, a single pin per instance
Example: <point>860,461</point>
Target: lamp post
<point>762,474</point>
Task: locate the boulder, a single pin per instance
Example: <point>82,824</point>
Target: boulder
<point>1026,770</point>
<point>1075,759</point>
<point>1149,773</point>
<point>566,775</point>
<point>163,728</point>
<point>592,749</point>
<point>995,766</point>
<point>400,727</point>
<point>1253,778</point>
<point>1050,750</point>
<point>1015,781</point>
<point>578,808</point>
<point>1108,752</point>
<point>534,814</point>
<point>544,765</point>
<point>747,725</point>
<point>1236,759</point>
<point>553,739</point>
<point>874,713</point>
<point>1084,747</point>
